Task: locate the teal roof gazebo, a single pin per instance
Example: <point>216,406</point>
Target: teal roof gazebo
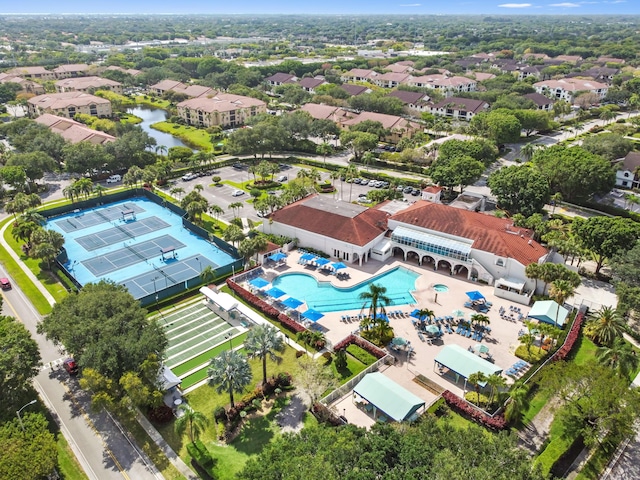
<point>463,363</point>
<point>388,397</point>
<point>548,311</point>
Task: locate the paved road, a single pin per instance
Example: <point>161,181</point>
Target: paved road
<point>105,455</point>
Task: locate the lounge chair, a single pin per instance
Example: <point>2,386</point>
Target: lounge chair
<point>449,329</point>
<point>421,337</point>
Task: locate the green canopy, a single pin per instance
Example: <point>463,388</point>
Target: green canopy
<point>464,363</point>
<point>548,311</point>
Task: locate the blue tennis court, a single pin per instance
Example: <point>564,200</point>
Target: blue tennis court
<point>136,243</point>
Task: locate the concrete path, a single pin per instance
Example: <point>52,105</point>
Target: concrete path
<point>291,416</point>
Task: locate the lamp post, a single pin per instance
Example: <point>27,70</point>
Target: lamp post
<point>22,408</point>
<point>199,263</point>
<point>229,337</point>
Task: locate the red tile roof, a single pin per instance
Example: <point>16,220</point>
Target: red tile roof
<point>489,234</point>
<point>358,230</point>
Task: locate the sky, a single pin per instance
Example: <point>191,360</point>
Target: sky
<point>424,7</point>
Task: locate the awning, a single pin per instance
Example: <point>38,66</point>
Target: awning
<point>475,296</point>
<point>463,362</point>
<point>275,292</point>
<point>258,282</point>
<point>312,315</point>
<point>292,303</point>
<point>276,257</point>
<point>321,261</point>
<point>307,257</point>
<point>223,300</point>
<point>510,283</point>
<point>548,311</point>
<point>386,395</point>
<point>167,378</point>
<point>338,265</point>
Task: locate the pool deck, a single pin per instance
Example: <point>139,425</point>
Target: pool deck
<point>502,341</point>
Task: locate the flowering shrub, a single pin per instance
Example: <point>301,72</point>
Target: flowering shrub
<point>461,406</point>
<point>570,341</point>
<point>362,343</point>
<point>269,310</point>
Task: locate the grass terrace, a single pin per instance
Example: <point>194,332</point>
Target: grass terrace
<point>192,136</point>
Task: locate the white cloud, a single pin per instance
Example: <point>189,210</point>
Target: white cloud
<point>516,5</point>
<point>565,5</point>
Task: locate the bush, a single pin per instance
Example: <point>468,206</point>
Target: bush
<point>299,353</point>
<point>476,399</point>
<point>361,354</point>
<point>534,355</point>
<point>160,415</point>
<point>362,343</point>
<point>219,413</point>
<point>200,454</point>
<point>571,339</point>
<point>461,406</point>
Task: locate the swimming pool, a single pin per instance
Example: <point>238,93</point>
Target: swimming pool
<point>324,297</point>
<point>136,243</point>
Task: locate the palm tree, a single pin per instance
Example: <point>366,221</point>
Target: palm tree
<point>70,192</point>
<point>32,215</point>
<point>377,300</point>
<point>367,159</point>
<point>495,382</point>
<point>605,326</point>
<point>260,243</point>
<point>517,403</point>
<point>527,151</point>
<point>324,149</point>
<point>263,341</point>
<point>235,208</point>
<point>476,379</point>
<point>555,198</point>
<point>208,274</point>
<point>192,421</point>
<point>620,356</point>
<point>479,318</point>
<point>84,186</point>
<point>607,115</point>
<point>351,173</point>
<point>22,231</point>
<point>233,234</point>
<point>560,291</point>
<point>528,340</point>
<point>425,313</point>
<point>177,191</point>
<point>229,371</point>
<point>99,189</point>
<point>216,211</point>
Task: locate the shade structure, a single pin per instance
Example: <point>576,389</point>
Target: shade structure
<point>387,396</point>
<point>338,265</point>
<point>458,313</point>
<point>312,315</point>
<point>321,261</point>
<point>463,362</point>
<point>258,282</point>
<point>292,303</point>
<point>416,314</point>
<point>399,341</point>
<point>307,257</point>
<point>432,329</point>
<point>475,296</point>
<point>275,292</point>
<point>480,348</point>
<point>548,311</point>
<point>276,257</point>
<point>382,316</point>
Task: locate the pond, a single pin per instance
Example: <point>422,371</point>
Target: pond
<point>150,116</point>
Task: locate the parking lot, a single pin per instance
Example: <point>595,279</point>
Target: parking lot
<point>222,195</point>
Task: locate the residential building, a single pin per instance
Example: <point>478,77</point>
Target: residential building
<point>628,173</point>
<point>605,60</point>
<point>72,131</point>
<point>566,88</point>
<point>27,86</point>
<point>398,127</point>
<point>191,91</point>
<point>88,85</point>
<point>39,73</point>
<point>131,71</point>
<point>530,71</point>
<point>399,67</point>
<point>481,76</point>
<point>414,102</point>
<point>278,79</point>
<point>542,102</point>
<point>68,104</point>
<point>458,108</point>
<point>602,74</point>
<point>574,59</point>
<point>446,85</point>
<point>327,112</point>
<point>310,84</point>
<point>73,70</point>
<point>224,109</point>
<point>358,75</point>
<point>391,80</point>
<point>355,90</point>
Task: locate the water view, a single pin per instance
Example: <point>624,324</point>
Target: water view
<point>150,116</point>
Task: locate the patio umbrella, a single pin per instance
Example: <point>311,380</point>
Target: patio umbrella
<point>292,303</point>
<point>458,313</point>
<point>321,261</point>
<point>276,257</point>
<point>480,348</point>
<point>382,316</point>
<point>312,315</point>
<point>307,257</point>
<point>338,265</point>
<point>398,341</point>
<point>275,292</point>
<point>432,329</point>
<point>475,296</point>
<point>415,314</point>
<point>258,282</point>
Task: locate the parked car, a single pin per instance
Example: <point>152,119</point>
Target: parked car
<point>408,189</point>
<point>238,166</point>
<point>400,188</point>
<point>70,366</point>
<point>5,284</point>
<point>372,183</point>
<point>189,176</point>
<point>114,179</point>
<point>237,193</point>
<point>415,192</point>
<point>282,178</point>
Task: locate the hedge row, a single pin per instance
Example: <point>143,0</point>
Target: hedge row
<point>571,339</point>
<point>463,407</point>
<point>362,343</point>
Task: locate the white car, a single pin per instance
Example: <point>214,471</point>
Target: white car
<point>114,179</point>
<point>237,193</point>
<point>189,176</point>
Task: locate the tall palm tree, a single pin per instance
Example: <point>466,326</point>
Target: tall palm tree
<point>527,151</point>
<point>208,274</point>
<point>351,173</point>
<point>376,299</point>
<point>476,379</point>
<point>528,340</point>
<point>192,421</point>
<point>425,313</point>
<point>560,291</point>
<point>518,399</point>
<point>233,234</point>
<point>495,382</point>
<point>177,191</point>
<point>260,243</point>
<point>620,356</point>
<point>235,208</point>
<point>32,215</point>
<point>605,326</point>
<point>229,371</point>
<point>216,211</point>
<point>264,341</point>
<point>556,198</point>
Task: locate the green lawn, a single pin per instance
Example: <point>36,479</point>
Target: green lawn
<point>206,356</point>
<point>68,466</point>
<point>354,367</point>
<point>152,102</point>
<point>129,118</point>
<point>192,136</point>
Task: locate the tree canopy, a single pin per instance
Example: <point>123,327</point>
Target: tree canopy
<point>520,189</point>
<point>105,329</point>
